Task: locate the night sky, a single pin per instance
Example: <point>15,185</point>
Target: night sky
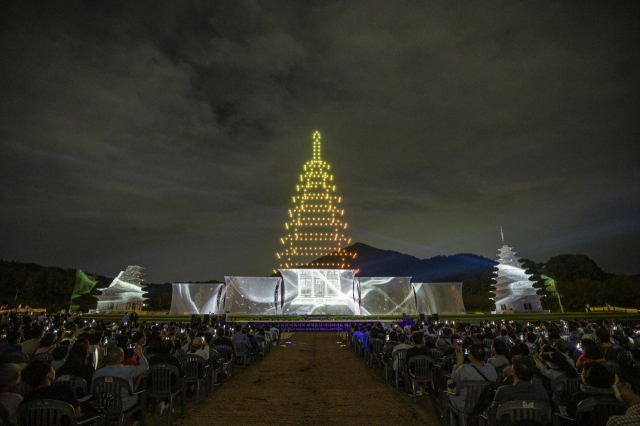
<point>171,134</point>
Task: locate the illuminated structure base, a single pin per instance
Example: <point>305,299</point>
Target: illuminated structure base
<point>317,291</point>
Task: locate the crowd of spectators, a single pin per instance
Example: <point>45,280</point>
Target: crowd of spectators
<point>37,348</point>
<point>518,361</point>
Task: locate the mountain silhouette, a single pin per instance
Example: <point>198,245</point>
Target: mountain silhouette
<point>374,262</point>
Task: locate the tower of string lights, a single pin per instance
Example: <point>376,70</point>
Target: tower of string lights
<point>315,227</point>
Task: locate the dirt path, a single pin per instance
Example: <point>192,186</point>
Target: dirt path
<point>312,380</point>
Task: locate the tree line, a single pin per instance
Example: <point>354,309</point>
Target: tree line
<point>577,278</point>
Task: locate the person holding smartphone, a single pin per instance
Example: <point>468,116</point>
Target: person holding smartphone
<point>475,370</point>
<point>114,368</point>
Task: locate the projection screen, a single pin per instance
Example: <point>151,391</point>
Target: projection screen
<point>386,296</point>
<point>253,295</point>
<point>440,298</point>
<point>189,298</point>
<point>317,291</point>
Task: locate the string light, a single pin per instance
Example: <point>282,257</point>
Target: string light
<point>314,216</point>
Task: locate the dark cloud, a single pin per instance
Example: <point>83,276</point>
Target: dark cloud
<point>171,134</point>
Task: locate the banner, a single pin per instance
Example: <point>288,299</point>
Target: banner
<point>312,326</point>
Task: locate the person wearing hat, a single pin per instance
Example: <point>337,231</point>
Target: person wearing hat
<point>199,347</point>
<point>9,376</point>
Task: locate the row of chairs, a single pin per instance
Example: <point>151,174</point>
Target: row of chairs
<point>159,387</point>
<point>591,412</point>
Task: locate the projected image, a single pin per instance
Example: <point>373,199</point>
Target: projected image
<point>386,296</point>
<point>318,292</point>
<point>439,298</point>
<point>188,298</point>
<point>253,295</point>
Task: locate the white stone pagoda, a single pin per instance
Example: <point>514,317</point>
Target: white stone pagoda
<point>125,293</point>
<point>514,291</point>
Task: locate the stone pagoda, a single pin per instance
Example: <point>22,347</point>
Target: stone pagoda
<point>514,291</point>
<point>125,293</point>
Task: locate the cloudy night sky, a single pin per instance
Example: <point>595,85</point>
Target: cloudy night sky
<point>171,134</point>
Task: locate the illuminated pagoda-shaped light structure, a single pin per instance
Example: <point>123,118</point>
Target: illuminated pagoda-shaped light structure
<point>315,227</point>
<point>514,291</point>
<point>125,293</point>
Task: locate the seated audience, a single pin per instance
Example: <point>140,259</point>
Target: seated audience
<point>475,370</point>
<point>597,380</point>
<point>417,349</point>
<point>9,376</point>
<point>12,344</point>
<point>444,339</point>
<point>504,336</point>
<point>498,354</point>
<point>449,350</point>
<point>47,344</point>
<point>387,349</point>
<point>429,342</point>
<point>222,340</point>
<point>590,353</point>
<point>68,336</point>
<point>131,359</point>
<point>530,341</point>
<point>30,346</point>
<point>139,338</point>
<point>77,364</point>
<point>377,332</point>
<point>163,357</point>
<point>357,334</point>
<point>60,354</point>
<point>39,375</point>
<point>562,346</point>
<point>401,345</point>
<point>553,365</point>
<point>627,389</point>
<point>198,347</point>
<point>155,343</point>
<point>522,389</point>
<point>252,341</point>
<point>603,340</point>
<point>114,368</point>
<point>97,352</point>
<point>240,335</point>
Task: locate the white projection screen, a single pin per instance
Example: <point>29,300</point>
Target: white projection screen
<point>189,298</point>
<point>440,298</point>
<point>386,296</point>
<point>317,292</point>
<point>252,295</point>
